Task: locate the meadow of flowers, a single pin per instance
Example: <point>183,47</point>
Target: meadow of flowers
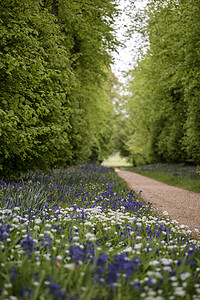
<point>80,233</point>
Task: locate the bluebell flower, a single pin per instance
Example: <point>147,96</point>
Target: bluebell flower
<point>193,262</point>
<point>137,286</point>
<point>89,252</point>
<point>25,293</point>
<point>121,264</point>
<point>102,259</point>
<point>150,281</point>
<point>46,241</point>
<point>112,274</point>
<point>13,273</point>
<point>76,253</point>
<point>28,244</point>
<point>56,291</point>
<point>4,231</point>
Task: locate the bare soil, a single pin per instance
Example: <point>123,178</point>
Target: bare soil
<point>181,205</point>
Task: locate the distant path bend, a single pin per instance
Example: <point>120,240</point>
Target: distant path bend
<point>182,205</point>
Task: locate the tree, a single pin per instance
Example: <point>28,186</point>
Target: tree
<point>87,27</point>
<point>164,90</point>
<point>50,52</point>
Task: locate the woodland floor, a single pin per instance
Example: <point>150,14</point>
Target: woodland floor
<point>182,205</point>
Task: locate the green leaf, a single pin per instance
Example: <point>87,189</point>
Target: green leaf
<point>11,113</point>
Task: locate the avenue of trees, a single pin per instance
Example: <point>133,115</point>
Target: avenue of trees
<point>162,120</point>
<point>55,82</point>
<point>60,103</point>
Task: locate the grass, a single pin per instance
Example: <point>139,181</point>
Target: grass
<point>180,175</point>
<point>80,233</point>
<point>115,160</point>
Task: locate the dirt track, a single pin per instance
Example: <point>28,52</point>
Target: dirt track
<point>182,205</point>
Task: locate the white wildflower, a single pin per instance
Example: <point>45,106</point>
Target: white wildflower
<point>59,257</point>
<point>166,261</point>
<point>17,208</point>
<point>38,221</point>
<point>165,213</point>
<point>15,220</point>
<point>179,291</point>
<point>175,283</point>
<point>185,275</point>
<point>129,249</point>
<point>182,226</point>
<point>154,263</point>
<point>8,285</point>
<point>138,246</point>
<point>90,236</point>
<point>173,278</point>
<point>69,266</point>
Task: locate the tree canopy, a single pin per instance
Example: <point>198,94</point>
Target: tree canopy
<point>54,103</point>
<point>163,106</point>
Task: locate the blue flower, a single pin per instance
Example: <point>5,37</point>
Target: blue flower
<point>46,241</point>
<point>76,253</point>
<point>89,252</point>
<point>121,264</point>
<point>25,294</point>
<point>102,259</point>
<point>13,273</point>
<point>179,262</point>
<point>193,262</point>
<point>150,281</point>
<point>28,244</point>
<point>56,291</point>
<point>4,231</point>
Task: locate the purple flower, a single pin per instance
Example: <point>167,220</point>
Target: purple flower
<point>89,252</point>
<point>137,286</point>
<point>102,259</point>
<point>46,241</point>
<point>76,253</point>
<point>121,264</point>
<point>193,262</point>
<point>25,294</point>
<point>179,262</point>
<point>13,273</point>
<point>4,231</point>
<point>150,281</point>
<point>28,244</point>
<point>56,291</point>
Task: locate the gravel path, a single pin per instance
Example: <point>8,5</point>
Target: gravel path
<point>182,205</point>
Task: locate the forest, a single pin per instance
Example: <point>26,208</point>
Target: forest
<point>162,101</point>
<point>55,83</point>
<point>58,94</point>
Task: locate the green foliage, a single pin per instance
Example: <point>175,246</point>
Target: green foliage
<point>88,28</point>
<point>164,105</point>
<point>50,53</point>
<point>95,127</point>
<point>34,80</point>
